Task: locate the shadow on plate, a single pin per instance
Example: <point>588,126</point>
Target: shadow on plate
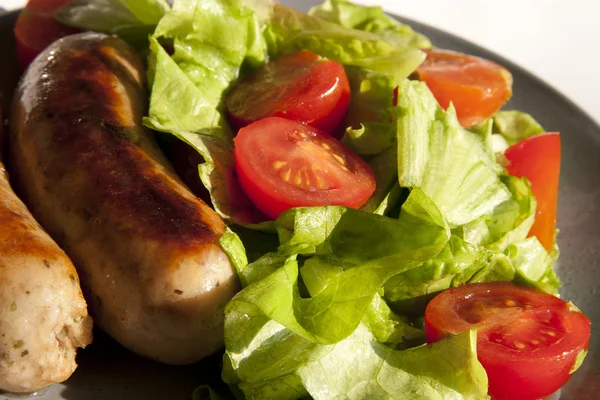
<point>108,371</point>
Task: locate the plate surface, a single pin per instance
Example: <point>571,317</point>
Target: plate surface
<point>108,372</point>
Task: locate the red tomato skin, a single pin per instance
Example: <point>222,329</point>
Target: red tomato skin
<point>513,374</point>
<point>36,28</point>
<point>264,142</point>
<point>301,86</point>
<point>538,159</point>
<point>477,87</point>
<point>555,369</point>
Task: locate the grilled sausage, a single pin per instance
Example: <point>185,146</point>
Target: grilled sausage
<point>43,316</point>
<point>147,250</point>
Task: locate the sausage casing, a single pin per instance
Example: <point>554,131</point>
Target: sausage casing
<point>146,249</point>
<point>43,316</point>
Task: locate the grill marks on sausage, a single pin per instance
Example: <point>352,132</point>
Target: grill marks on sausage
<point>96,126</point>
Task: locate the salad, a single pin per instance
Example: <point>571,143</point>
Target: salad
<point>393,229</point>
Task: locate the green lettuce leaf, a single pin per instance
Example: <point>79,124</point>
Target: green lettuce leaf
<point>257,242</point>
<point>371,133</point>
<point>212,41</point>
<point>452,166</point>
<point>357,367</point>
<point>409,292</point>
<point>177,104</point>
<point>291,31</point>
<point>370,19</point>
<point>388,327</point>
<point>369,119</point>
<point>233,246</point>
<point>524,262</point>
<point>345,275</point>
<point>512,219</point>
<point>533,264</point>
<point>515,126</point>
<point>509,222</point>
<point>387,191</point>
<point>132,20</point>
<point>415,112</point>
<point>491,248</point>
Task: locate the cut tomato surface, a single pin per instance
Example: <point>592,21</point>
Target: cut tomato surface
<point>527,341</point>
<point>36,28</point>
<point>477,87</point>
<point>538,159</point>
<point>300,86</point>
<point>283,164</point>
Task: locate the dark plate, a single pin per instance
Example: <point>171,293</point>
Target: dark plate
<point>108,372</point>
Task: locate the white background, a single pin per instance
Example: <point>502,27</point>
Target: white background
<point>558,40</point>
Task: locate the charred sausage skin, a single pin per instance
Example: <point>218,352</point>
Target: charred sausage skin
<point>146,249</point>
<point>43,316</point>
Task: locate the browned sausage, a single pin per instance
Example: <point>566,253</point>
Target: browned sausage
<point>43,316</point>
<point>147,250</point>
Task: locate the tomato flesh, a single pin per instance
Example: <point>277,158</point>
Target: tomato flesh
<point>527,340</point>
<point>36,28</point>
<point>477,87</point>
<point>538,159</point>
<point>283,164</point>
<point>300,86</point>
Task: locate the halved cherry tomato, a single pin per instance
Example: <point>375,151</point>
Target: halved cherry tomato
<point>527,341</point>
<point>36,28</point>
<point>283,164</point>
<point>301,86</point>
<point>538,159</point>
<point>477,87</point>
